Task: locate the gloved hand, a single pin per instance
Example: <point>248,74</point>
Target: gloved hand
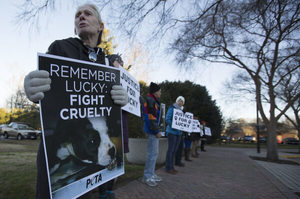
<point>119,95</point>
<point>160,134</point>
<point>35,84</point>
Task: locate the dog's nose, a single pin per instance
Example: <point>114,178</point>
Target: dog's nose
<point>112,152</point>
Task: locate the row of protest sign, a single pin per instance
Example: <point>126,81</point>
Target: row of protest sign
<point>185,122</point>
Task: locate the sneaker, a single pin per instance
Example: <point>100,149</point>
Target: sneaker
<point>150,182</point>
<point>156,178</point>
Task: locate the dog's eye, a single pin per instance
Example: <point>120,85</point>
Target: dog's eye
<point>92,141</point>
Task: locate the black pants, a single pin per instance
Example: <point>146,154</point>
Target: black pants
<point>178,154</point>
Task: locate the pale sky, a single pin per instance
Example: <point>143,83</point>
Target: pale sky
<point>19,47</point>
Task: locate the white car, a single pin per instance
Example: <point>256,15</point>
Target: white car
<point>20,131</point>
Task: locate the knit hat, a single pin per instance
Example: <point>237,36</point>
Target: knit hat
<point>180,98</point>
<point>154,87</point>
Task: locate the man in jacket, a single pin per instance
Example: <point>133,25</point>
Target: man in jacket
<point>151,113</point>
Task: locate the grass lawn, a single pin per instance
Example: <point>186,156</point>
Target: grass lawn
<point>18,169</point>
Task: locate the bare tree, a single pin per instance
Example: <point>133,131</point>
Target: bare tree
<point>19,101</point>
<point>137,61</point>
<point>289,88</point>
<point>261,37</point>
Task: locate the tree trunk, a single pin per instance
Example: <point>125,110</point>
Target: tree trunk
<point>272,152</point>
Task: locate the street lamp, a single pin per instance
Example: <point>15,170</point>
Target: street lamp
<point>257,127</point>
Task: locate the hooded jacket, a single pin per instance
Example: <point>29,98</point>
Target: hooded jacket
<point>151,115</point>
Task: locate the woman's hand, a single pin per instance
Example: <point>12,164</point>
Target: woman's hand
<point>119,95</point>
<point>35,84</point>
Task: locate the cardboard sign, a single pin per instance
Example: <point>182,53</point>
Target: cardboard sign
<point>182,121</point>
<point>132,86</point>
<point>196,126</point>
<point>81,126</point>
<point>207,131</point>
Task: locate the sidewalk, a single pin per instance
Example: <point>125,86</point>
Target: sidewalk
<point>218,173</point>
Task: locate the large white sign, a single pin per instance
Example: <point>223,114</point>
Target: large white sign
<point>132,86</point>
<point>207,131</point>
<point>80,126</point>
<point>182,121</point>
<point>196,126</point>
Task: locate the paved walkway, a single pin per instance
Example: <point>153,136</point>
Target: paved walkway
<point>220,173</point>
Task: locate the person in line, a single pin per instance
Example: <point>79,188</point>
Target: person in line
<point>151,113</point>
<point>89,28</point>
<point>178,155</point>
<point>187,146</point>
<point>203,138</point>
<point>174,136</point>
<point>195,137</point>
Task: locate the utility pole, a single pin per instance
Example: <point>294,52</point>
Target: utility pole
<point>257,127</point>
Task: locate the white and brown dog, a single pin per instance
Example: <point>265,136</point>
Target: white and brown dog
<point>78,148</point>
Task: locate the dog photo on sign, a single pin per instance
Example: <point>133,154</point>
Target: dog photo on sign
<point>80,147</point>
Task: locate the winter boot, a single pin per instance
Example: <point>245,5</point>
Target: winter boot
<point>187,154</point>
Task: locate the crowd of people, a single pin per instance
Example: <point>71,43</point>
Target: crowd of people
<point>178,141</point>
<point>89,27</point>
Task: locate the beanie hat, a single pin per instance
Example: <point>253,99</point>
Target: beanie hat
<point>180,98</point>
<point>154,87</point>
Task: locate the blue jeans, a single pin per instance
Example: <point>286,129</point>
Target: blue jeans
<point>173,143</point>
<point>152,153</point>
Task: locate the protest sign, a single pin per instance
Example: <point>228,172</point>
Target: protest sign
<point>201,129</point>
<point>81,126</point>
<point>182,121</point>
<point>207,131</point>
<point>196,126</point>
<point>132,86</point>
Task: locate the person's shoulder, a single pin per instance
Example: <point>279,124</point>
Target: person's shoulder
<point>70,40</point>
<point>58,47</point>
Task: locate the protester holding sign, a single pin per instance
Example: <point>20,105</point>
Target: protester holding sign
<point>151,112</point>
<point>89,28</point>
<point>195,137</point>
<point>187,146</point>
<point>203,137</point>
<point>174,136</point>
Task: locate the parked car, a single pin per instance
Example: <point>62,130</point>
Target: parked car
<point>2,126</point>
<point>224,139</point>
<point>20,131</point>
<point>290,141</point>
<point>248,138</point>
<point>263,140</point>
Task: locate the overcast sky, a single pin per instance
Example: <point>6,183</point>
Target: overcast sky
<point>19,47</point>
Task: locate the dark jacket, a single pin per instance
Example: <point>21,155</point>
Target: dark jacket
<point>151,113</point>
<point>73,48</point>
